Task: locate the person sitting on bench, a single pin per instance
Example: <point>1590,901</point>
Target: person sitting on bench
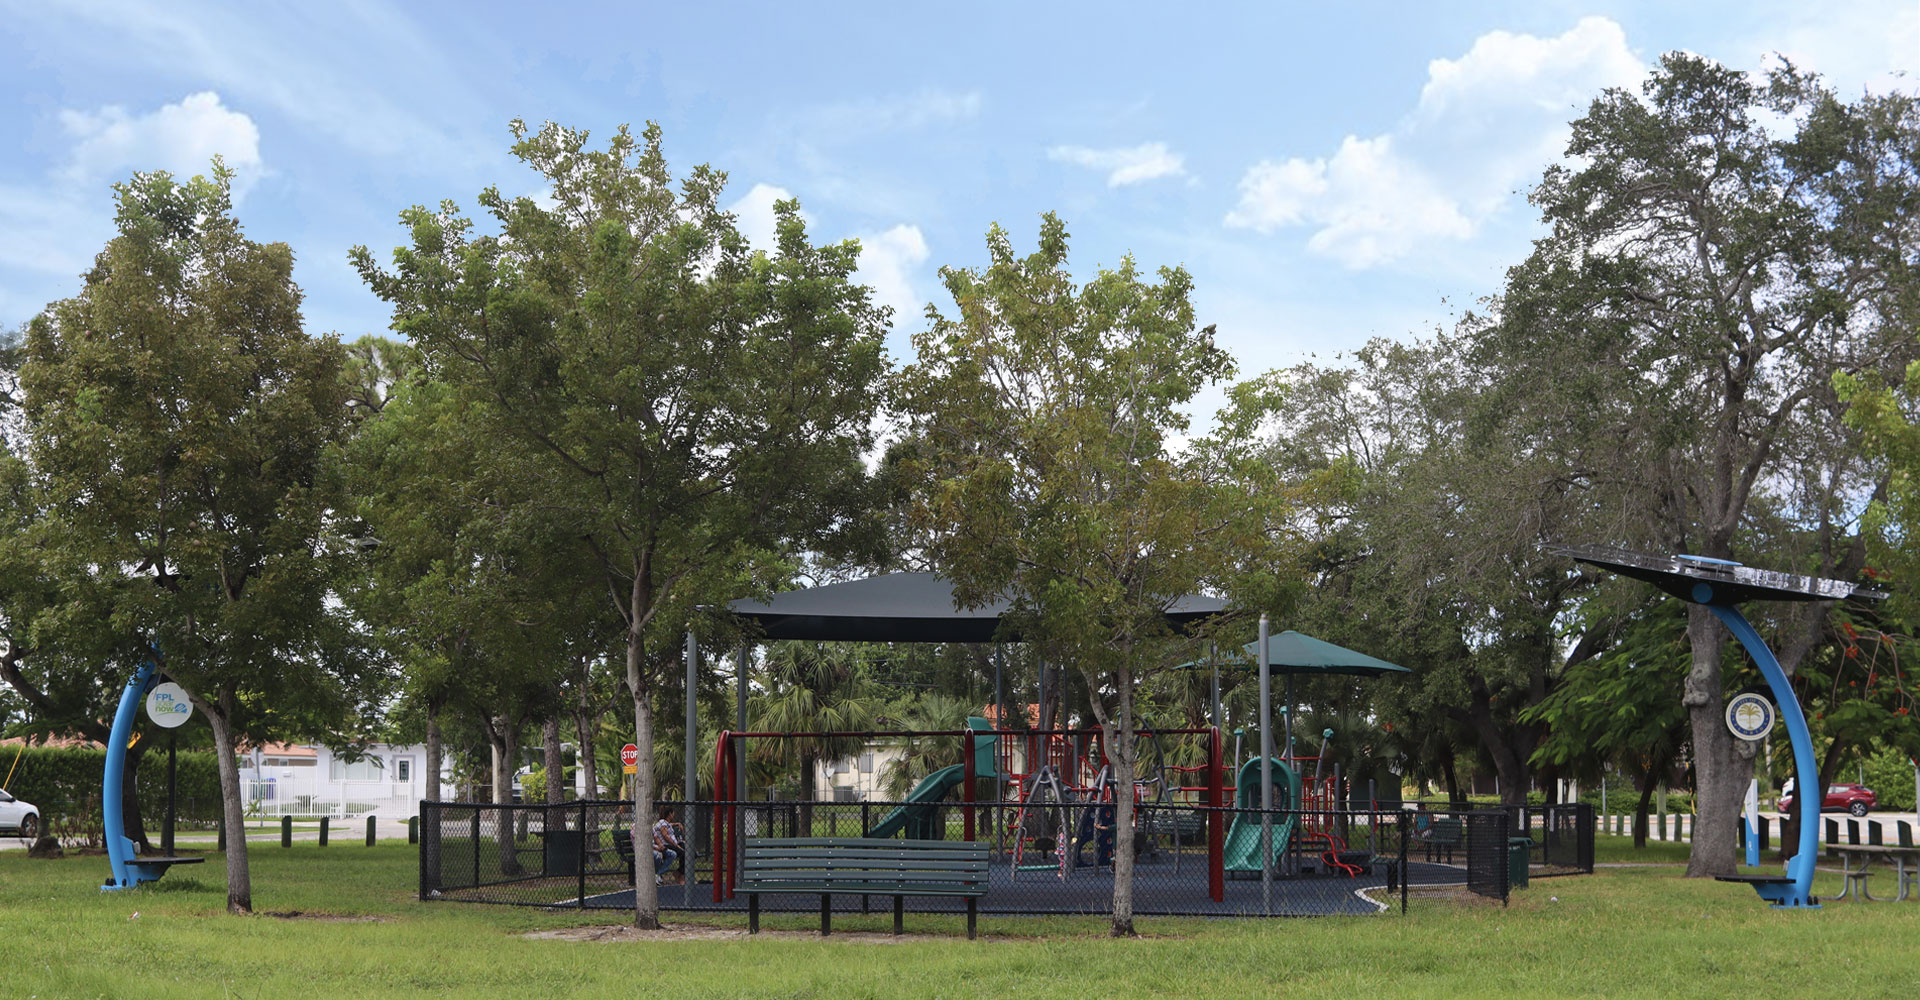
<point>667,846</point>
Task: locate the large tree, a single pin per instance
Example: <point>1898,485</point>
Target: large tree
<point>180,420</point>
<point>1044,426</point>
<point>682,403</point>
<point>1720,247</point>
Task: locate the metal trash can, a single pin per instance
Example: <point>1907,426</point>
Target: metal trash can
<point>1519,854</point>
<point>561,854</point>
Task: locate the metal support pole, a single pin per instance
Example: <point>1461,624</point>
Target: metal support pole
<point>166,829</point>
<point>693,756</point>
<point>999,694</point>
<point>1266,774</point>
<point>740,664</point>
<point>1213,658</point>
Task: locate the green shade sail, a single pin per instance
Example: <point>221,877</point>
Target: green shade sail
<point>1292,652</point>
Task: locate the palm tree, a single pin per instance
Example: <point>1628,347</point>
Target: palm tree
<point>812,688</point>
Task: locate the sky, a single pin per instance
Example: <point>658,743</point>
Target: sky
<point>1327,173</point>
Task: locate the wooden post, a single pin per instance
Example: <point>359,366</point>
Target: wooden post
<point>286,831</point>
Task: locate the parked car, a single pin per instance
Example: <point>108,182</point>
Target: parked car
<point>1855,799</point>
<point>19,817</point>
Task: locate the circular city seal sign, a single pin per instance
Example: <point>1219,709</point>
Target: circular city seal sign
<point>168,705</point>
<point>1750,716</point>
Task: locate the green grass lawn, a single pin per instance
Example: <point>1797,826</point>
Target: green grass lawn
<point>1638,931</point>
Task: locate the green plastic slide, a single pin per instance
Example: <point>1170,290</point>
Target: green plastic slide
<point>920,818</point>
<point>1243,837</point>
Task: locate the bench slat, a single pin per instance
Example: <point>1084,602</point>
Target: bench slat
<point>881,864</point>
<point>814,875</point>
<point>860,889</point>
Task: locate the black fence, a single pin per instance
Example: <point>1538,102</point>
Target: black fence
<point>1052,858</point>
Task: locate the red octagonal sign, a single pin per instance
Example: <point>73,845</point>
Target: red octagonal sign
<point>629,755</point>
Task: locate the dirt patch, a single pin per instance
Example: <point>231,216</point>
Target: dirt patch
<point>328,918</point>
<point>697,932</point>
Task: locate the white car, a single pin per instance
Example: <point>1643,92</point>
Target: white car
<point>20,817</point>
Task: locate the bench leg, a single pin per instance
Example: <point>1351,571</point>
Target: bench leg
<point>899,909</point>
<point>753,913</point>
<point>826,914</point>
<point>973,913</point>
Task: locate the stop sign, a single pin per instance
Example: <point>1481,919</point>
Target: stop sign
<point>630,755</point>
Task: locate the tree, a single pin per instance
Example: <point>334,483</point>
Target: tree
<point>812,688</point>
<point>1042,424</point>
<point>683,404</point>
<point>180,421</point>
<point>1719,249</point>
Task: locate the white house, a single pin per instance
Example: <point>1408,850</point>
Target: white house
<point>287,779</point>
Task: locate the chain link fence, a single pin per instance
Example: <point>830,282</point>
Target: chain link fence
<point>1047,857</point>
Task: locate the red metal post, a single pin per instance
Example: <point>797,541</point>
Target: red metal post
<point>1216,835</point>
<point>722,792</point>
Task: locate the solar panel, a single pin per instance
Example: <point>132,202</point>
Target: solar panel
<point>1705,580</point>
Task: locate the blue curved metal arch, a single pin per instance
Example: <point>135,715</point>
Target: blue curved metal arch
<point>127,869</point>
<point>1798,891</point>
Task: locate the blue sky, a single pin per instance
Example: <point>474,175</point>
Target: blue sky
<point>1327,172</point>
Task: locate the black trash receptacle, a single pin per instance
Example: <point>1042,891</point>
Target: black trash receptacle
<point>1519,855</point>
<point>560,855</point>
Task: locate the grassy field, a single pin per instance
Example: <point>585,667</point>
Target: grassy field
<point>342,922</point>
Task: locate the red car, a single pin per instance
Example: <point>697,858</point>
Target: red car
<point>1856,799</point>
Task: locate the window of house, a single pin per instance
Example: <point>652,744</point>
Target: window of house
<point>288,761</point>
<point>866,763</point>
<point>403,769</point>
<point>364,769</point>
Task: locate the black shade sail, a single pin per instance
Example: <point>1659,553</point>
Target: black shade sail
<point>904,607</point>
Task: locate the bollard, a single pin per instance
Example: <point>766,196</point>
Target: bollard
<point>1874,835</point>
<point>286,831</point>
<point>369,831</point>
<point>323,831</point>
<point>222,846</point>
<point>1833,831</point>
<point>1853,832</point>
<point>1766,833</point>
<point>413,829</point>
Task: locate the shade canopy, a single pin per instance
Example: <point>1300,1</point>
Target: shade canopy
<point>1291,652</point>
<point>905,607</point>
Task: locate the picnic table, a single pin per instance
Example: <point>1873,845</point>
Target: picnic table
<point>1905,862</point>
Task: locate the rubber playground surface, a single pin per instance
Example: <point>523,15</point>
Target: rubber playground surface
<point>1157,889</point>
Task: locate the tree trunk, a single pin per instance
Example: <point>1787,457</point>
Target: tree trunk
<point>1455,798</point>
<point>430,788</point>
<point>1720,773</point>
<point>1122,756</point>
<point>500,733</point>
<point>239,883</point>
<point>809,782</point>
<point>135,823</point>
<point>583,735</point>
<point>1647,786</point>
<point>646,894</point>
<point>555,766</point>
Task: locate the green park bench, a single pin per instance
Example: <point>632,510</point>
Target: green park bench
<point>1444,837</point>
<point>857,866</point>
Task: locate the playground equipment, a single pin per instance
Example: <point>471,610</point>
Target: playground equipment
<point>1721,586</point>
<point>1044,775</point>
<point>921,817</point>
<point>1242,851</point>
<point>129,869</point>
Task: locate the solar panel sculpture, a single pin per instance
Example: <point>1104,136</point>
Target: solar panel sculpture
<point>1720,586</point>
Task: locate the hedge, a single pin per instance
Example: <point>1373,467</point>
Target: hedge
<point>64,783</point>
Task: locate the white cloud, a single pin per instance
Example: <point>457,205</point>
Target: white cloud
<point>181,138</point>
<point>1484,125</point>
<point>753,214</point>
<point>1370,204</point>
<point>1125,165</point>
<point>887,264</point>
<point>1856,47</point>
